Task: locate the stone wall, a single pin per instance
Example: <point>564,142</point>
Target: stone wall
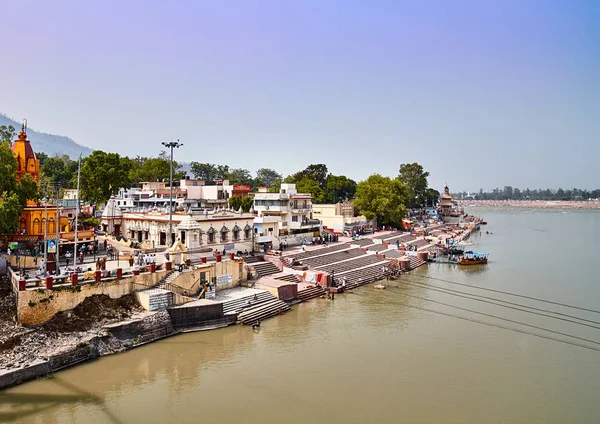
<point>38,306</point>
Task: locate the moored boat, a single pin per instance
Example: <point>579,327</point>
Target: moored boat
<point>473,258</point>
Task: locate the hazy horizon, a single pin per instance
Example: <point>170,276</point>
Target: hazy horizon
<point>482,94</point>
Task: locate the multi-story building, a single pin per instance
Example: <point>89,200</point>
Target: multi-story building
<point>293,210</point>
<point>219,229</point>
<point>339,218</point>
<point>187,193</point>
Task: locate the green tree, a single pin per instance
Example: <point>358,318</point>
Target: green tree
<point>431,197</point>
<point>145,169</point>
<point>58,169</point>
<point>13,194</point>
<point>247,203</point>
<point>239,176</point>
<point>268,176</point>
<point>308,185</point>
<point>204,171</point>
<point>316,172</point>
<point>235,202</point>
<point>276,186</point>
<point>414,178</point>
<point>382,198</point>
<point>102,175</point>
<point>7,134</point>
<point>338,188</point>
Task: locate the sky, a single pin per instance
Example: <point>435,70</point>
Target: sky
<point>481,93</point>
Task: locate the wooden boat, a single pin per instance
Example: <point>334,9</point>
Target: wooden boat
<point>474,258</point>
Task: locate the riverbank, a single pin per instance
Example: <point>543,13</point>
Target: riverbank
<point>541,204</point>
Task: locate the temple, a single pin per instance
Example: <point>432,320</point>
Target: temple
<point>38,221</point>
<point>448,211</point>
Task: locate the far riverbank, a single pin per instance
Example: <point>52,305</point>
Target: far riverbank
<point>558,204</point>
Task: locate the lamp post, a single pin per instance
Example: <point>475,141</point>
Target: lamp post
<point>171,145</point>
<point>45,234</point>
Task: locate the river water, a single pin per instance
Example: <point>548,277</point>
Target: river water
<point>371,356</point>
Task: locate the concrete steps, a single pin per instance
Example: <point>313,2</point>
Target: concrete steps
<point>289,277</point>
<point>265,268</point>
<point>310,293</point>
<point>238,304</point>
<point>263,311</point>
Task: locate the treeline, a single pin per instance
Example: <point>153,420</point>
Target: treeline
<point>378,197</point>
<point>510,193</point>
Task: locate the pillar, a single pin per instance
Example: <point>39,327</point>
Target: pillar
<point>22,285</point>
<point>74,279</point>
<point>98,276</point>
<point>152,268</point>
<point>218,257</point>
<point>49,282</point>
<point>231,256</point>
<point>203,260</point>
<point>168,266</point>
<point>119,273</point>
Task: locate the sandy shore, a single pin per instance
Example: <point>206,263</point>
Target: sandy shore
<point>536,204</point>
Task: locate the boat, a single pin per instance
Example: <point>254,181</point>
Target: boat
<point>473,258</point>
<point>379,286</point>
<point>483,222</point>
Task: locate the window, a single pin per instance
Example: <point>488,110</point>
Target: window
<point>246,234</point>
<point>211,237</point>
<point>236,235</point>
<point>295,218</point>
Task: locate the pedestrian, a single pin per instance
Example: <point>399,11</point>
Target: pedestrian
<point>42,266</point>
<point>105,244</point>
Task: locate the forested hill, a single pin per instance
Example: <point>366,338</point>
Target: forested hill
<point>49,143</point>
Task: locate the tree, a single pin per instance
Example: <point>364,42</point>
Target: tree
<point>268,176</point>
<point>13,194</point>
<point>204,171</point>
<point>58,169</point>
<point>102,175</point>
<point>414,178</point>
<point>276,186</point>
<point>338,188</point>
<point>239,176</point>
<point>7,133</point>
<point>316,172</point>
<point>154,169</point>
<point>308,185</point>
<point>431,197</point>
<point>382,198</point>
<point>235,202</point>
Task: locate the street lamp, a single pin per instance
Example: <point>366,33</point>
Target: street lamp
<point>171,145</point>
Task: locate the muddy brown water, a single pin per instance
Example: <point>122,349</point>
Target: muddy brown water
<point>371,355</point>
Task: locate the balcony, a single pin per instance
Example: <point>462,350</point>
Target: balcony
<point>311,223</point>
<point>307,209</point>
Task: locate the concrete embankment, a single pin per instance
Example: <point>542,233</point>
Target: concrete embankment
<point>113,338</point>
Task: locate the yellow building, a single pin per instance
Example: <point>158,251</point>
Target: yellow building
<point>33,218</point>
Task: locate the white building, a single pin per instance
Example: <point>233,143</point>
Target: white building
<point>220,229</point>
<point>292,210</point>
<point>187,193</point>
<point>339,218</point>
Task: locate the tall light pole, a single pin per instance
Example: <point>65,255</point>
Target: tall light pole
<point>171,145</point>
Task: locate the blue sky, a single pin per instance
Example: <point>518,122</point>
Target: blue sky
<point>482,93</point>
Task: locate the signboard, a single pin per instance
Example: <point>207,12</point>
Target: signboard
<point>13,245</point>
<point>241,187</point>
<point>52,246</point>
<point>223,280</point>
<point>210,292</point>
<point>229,247</point>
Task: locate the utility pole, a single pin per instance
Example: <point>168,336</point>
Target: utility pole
<point>76,215</point>
<point>57,223</point>
<point>45,233</point>
<point>171,145</point>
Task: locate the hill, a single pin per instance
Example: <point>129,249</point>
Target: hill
<point>49,143</point>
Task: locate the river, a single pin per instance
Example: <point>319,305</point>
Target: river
<point>371,356</point>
